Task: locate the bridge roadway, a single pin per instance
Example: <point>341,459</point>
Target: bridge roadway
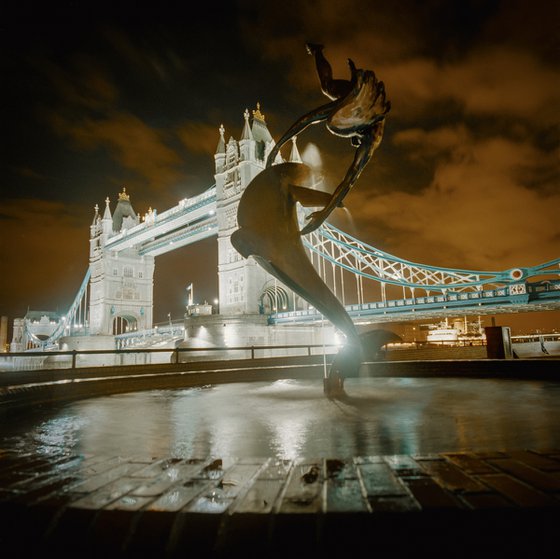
<point>190,221</point>
<point>540,296</point>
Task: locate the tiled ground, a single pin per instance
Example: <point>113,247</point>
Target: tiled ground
<point>463,504</point>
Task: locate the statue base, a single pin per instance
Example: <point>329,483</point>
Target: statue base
<point>333,386</point>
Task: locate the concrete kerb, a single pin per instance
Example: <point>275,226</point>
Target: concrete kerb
<point>21,389</point>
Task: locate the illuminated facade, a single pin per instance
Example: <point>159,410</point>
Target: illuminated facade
<point>121,284</point>
<point>244,287</point>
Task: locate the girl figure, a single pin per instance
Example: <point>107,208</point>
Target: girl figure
<point>357,111</point>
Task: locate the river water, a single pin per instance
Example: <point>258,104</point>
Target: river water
<point>292,419</point>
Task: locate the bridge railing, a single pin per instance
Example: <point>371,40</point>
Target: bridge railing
<point>517,293</point>
<point>33,361</point>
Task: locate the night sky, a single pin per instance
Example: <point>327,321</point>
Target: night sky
<point>467,174</point>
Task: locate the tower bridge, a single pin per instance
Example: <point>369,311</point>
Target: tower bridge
<point>116,295</point>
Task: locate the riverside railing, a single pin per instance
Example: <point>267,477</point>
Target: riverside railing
<point>36,360</point>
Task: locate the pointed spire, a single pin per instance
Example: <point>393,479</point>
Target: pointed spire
<point>96,216</point>
<point>294,154</point>
<point>107,213</point>
<point>257,113</point>
<point>259,128</point>
<point>123,195</point>
<point>221,143</point>
<point>247,133</point>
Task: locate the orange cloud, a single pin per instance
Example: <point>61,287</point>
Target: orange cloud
<point>477,212</point>
<point>31,229</point>
<point>199,137</point>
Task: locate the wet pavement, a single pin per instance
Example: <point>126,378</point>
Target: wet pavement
<point>462,503</point>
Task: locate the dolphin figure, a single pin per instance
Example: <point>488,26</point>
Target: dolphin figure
<point>269,232</point>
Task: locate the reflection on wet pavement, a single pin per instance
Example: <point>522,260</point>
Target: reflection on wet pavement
<point>291,419</point>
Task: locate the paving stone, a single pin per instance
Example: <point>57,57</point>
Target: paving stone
<point>179,497</point>
<point>404,465</point>
<point>486,501</point>
<point>106,494</point>
<point>450,477</point>
<point>429,494</point>
<point>518,492</point>
<point>304,489</point>
<point>470,463</point>
<point>340,469</point>
<point>260,460</point>
<point>212,501</point>
<point>106,476</point>
<point>167,478</point>
<point>129,503</point>
<point>529,475</point>
<point>345,496</point>
<point>43,491</point>
<point>489,454</point>
<point>393,504</point>
<point>152,470</point>
<point>380,480</point>
<point>235,481</point>
<point>142,459</point>
<point>261,497</point>
<point>15,478</point>
<point>214,469</point>
<point>27,464</point>
<point>174,507</point>
<point>535,460</point>
<point>276,469</point>
<point>368,459</point>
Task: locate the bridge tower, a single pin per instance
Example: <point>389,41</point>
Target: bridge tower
<point>244,287</point>
<point>121,284</point>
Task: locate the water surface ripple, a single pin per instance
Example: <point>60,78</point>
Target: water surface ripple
<point>292,419</point>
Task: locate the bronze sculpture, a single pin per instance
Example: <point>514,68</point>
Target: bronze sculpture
<point>267,213</point>
<point>269,232</point>
<point>357,111</point>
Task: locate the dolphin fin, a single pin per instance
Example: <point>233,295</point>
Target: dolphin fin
<point>310,197</point>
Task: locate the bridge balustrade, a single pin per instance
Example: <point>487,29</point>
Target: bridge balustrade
<point>32,361</point>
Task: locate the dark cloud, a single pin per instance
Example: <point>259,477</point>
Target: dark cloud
<point>137,147</point>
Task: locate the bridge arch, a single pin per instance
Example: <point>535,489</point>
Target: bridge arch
<point>275,298</point>
<point>123,323</point>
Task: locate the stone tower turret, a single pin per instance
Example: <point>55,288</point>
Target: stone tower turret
<point>121,284</point>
